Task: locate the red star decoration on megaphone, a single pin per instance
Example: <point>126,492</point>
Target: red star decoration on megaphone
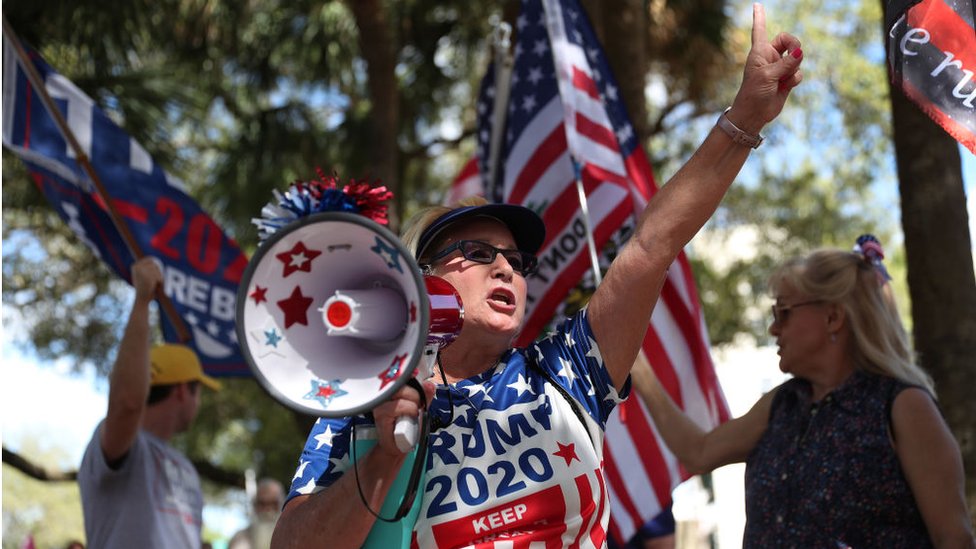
<point>299,258</point>
<point>393,372</point>
<point>295,308</point>
<point>259,294</point>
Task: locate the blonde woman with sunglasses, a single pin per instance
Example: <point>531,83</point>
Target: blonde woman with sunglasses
<point>850,452</point>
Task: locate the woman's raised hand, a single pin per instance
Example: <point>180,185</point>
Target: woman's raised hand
<point>771,70</point>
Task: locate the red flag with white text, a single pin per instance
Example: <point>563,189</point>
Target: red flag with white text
<point>932,58</point>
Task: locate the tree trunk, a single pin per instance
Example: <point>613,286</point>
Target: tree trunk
<point>376,44</point>
<point>940,268</point>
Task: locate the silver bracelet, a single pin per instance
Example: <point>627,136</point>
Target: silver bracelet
<point>738,135</point>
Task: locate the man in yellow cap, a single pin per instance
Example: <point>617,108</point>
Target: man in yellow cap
<point>136,489</point>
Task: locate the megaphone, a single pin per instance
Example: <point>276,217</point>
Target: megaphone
<point>334,315</point>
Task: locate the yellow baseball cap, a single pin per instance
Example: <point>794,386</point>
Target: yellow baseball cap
<point>171,363</point>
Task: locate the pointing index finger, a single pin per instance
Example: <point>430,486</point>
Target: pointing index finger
<point>758,24</point>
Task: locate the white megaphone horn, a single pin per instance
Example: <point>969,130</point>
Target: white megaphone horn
<point>334,316</point>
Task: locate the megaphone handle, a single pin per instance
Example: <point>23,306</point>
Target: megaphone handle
<point>405,433</point>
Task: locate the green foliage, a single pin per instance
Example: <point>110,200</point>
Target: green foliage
<point>58,283</point>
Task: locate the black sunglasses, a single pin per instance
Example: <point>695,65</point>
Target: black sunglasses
<point>781,313</point>
<point>482,252</point>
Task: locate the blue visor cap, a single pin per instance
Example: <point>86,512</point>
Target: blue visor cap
<point>526,226</point>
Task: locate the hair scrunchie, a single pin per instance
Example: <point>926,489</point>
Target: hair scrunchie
<point>870,248</point>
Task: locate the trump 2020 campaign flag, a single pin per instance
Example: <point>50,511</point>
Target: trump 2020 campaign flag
<point>565,117</point>
<point>932,58</point>
<point>201,265</point>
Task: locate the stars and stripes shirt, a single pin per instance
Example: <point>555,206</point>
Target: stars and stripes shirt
<point>515,465</point>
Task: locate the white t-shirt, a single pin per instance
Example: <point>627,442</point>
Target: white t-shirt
<point>152,501</point>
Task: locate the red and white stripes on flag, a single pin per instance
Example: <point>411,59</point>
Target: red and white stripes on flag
<point>564,117</point>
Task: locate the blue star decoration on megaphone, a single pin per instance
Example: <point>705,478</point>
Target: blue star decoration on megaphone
<point>273,337</point>
<point>389,254</point>
<point>324,392</point>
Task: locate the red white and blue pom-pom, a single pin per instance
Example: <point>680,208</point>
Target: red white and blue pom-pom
<point>870,247</point>
<point>304,198</point>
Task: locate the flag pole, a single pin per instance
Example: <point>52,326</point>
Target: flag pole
<point>501,43</point>
<point>552,25</point>
<point>585,211</point>
<point>38,84</point>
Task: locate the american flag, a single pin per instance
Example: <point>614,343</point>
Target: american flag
<point>570,120</point>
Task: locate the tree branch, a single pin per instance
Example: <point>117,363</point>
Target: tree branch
<point>424,149</point>
<point>213,473</point>
<point>657,124</point>
<point>35,471</point>
<point>218,475</point>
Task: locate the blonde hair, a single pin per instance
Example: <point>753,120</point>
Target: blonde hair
<point>880,343</point>
<point>415,226</point>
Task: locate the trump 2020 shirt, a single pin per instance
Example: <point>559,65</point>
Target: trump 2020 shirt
<point>515,464</point>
